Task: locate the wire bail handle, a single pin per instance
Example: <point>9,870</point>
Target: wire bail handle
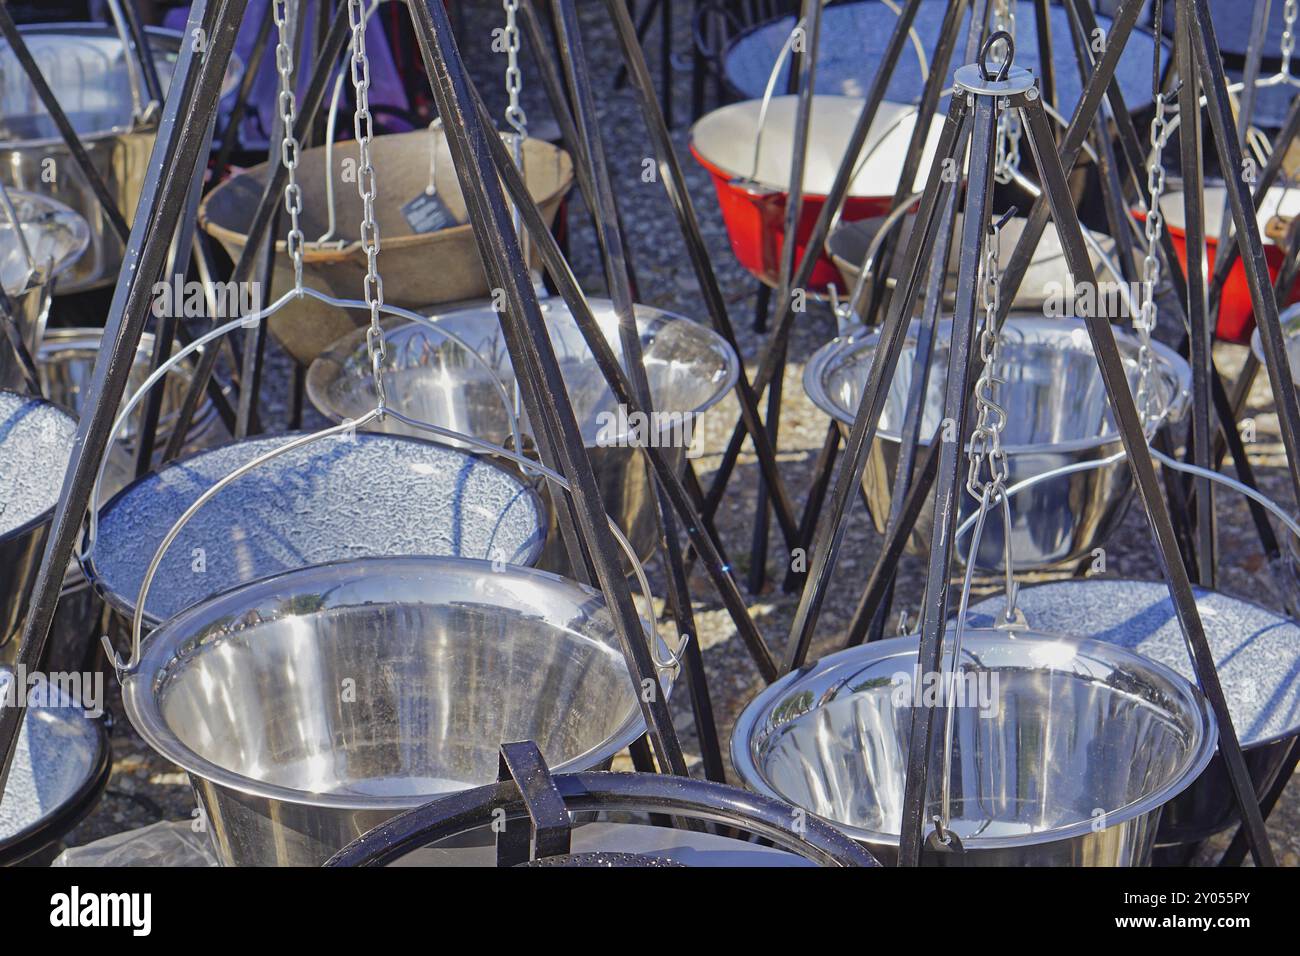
<point>144,109</point>
<point>251,320</point>
<point>440,435</point>
<point>769,91</point>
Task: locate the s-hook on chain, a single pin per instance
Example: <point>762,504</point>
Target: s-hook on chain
<point>515,115</point>
<point>1144,322</point>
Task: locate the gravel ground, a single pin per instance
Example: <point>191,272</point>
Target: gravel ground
<point>145,789</point>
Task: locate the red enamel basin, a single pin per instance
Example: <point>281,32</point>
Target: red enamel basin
<point>1236,315</point>
<point>753,196</point>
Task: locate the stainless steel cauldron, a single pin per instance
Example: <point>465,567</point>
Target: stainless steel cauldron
<point>35,444</point>
<point>1046,281</point>
<point>55,237</point>
<point>1059,415</point>
<point>1064,750</point>
<point>86,66</point>
<point>65,361</point>
<point>420,268</point>
<point>689,367</point>
<point>60,767</point>
<point>1256,652</point>
<point>1290,320</point>
<point>310,707</point>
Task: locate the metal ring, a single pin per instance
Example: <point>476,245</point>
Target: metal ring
<point>982,58</point>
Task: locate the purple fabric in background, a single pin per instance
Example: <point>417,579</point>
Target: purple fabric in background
<point>254,133</point>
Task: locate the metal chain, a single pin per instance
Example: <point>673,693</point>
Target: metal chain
<point>990,417</point>
<point>1145,321</point>
<point>990,420</point>
<point>285,12</point>
<point>1288,34</point>
<point>363,128</point>
<point>515,115</point>
<point>1007,159</point>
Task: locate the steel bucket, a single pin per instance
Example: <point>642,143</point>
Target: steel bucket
<point>1236,311</point>
<point>748,157</point>
<point>65,361</point>
<point>1046,280</point>
<point>74,635</point>
<point>1060,416</point>
<point>1064,750</point>
<point>420,269</point>
<point>351,496</point>
<point>690,368</point>
<point>56,237</point>
<point>1256,652</point>
<point>1290,322</point>
<point>311,707</point>
<point>854,37</point>
<point>60,767</point>
<point>36,440</point>
<point>86,67</point>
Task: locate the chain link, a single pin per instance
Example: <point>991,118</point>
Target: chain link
<point>990,417</point>
<point>285,13</point>
<point>363,129</point>
<point>1145,321</point>
<point>1007,158</point>
<point>515,115</point>
<point>1288,34</point>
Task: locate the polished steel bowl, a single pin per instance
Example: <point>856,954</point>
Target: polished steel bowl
<point>689,367</point>
<point>85,65</point>
<point>1046,282</point>
<point>310,707</point>
<point>36,440</point>
<point>1059,415</point>
<point>73,643</point>
<point>1290,319</point>
<point>60,767</point>
<point>1064,750</point>
<point>1256,653</point>
<point>419,269</point>
<point>56,237</point>
<point>65,362</point>
<point>343,497</point>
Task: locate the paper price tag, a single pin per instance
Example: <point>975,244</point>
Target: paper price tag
<point>427,213</point>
